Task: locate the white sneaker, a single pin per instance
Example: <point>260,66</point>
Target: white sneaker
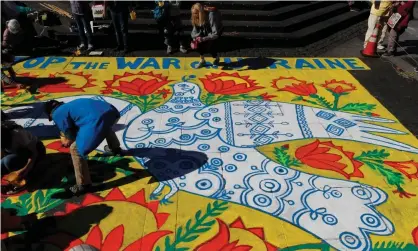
<point>183,50</point>
<point>169,50</point>
<point>81,47</point>
<point>381,47</point>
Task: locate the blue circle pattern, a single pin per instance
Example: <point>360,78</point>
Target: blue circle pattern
<point>361,192</point>
<point>216,162</point>
<point>173,120</point>
<point>230,168</point>
<point>178,106</point>
<point>213,109</point>
<point>216,119</point>
<point>160,141</point>
<point>240,157</point>
<point>205,132</point>
<point>205,114</point>
<point>185,137</point>
<point>147,121</point>
<point>203,147</point>
<point>370,220</point>
<point>281,170</point>
<point>336,194</point>
<point>203,184</point>
<point>350,240</point>
<point>270,185</point>
<point>140,145</point>
<point>223,149</point>
<point>262,200</point>
<point>329,219</point>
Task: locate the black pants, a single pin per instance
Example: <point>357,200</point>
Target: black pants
<point>172,30</point>
<point>208,47</point>
<point>120,24</point>
<point>83,23</point>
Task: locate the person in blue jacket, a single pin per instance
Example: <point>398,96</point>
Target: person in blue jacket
<point>84,123</point>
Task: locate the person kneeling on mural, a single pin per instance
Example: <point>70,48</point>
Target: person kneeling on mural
<point>84,124</point>
<point>207,29</point>
<point>8,81</point>
<point>21,152</point>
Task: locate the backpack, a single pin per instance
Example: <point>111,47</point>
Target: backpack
<point>161,11</point>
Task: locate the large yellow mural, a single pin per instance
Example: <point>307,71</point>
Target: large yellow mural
<point>253,154</point>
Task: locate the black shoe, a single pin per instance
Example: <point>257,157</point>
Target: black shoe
<point>125,49</point>
<point>416,69</point>
<point>388,54</point>
<point>113,152</point>
<point>78,190</point>
<point>118,48</point>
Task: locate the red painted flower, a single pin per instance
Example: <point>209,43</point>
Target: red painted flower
<point>327,156</point>
<point>221,241</point>
<point>112,242</point>
<point>298,87</point>
<point>57,146</point>
<point>266,96</point>
<point>73,82</point>
<point>339,87</point>
<point>107,91</point>
<point>407,168</point>
<point>164,92</point>
<point>229,84</point>
<point>140,84</point>
<point>415,235</point>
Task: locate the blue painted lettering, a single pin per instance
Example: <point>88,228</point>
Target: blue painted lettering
<point>280,62</point>
<point>104,65</point>
<point>319,63</point>
<point>77,65</point>
<point>31,63</point>
<point>122,64</point>
<point>334,64</point>
<point>53,60</point>
<point>301,63</point>
<point>91,65</point>
<point>151,62</point>
<point>352,63</point>
<point>167,62</point>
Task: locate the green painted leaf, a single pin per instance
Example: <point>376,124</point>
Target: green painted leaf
<point>298,98</point>
<point>357,107</point>
<point>167,241</point>
<point>197,215</point>
<point>209,208</point>
<point>188,225</point>
<point>281,156</point>
<point>375,154</point>
<point>191,238</point>
<point>182,249</point>
<point>202,230</point>
<point>157,249</point>
<point>209,223</point>
<point>178,234</point>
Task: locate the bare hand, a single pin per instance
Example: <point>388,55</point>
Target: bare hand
<point>66,142</point>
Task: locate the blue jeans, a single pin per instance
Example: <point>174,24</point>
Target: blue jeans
<point>12,162</point>
<point>83,23</point>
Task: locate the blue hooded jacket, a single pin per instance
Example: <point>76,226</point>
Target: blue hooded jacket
<point>88,121</point>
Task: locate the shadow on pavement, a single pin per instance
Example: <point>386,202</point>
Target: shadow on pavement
<point>44,231</point>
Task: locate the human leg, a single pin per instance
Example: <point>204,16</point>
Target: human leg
<point>12,162</point>
<point>80,27</point>
<point>117,27</point>
<point>81,168</point>
<point>123,19</point>
<point>89,32</point>
<point>383,32</point>
<point>371,24</point>
<point>392,43</point>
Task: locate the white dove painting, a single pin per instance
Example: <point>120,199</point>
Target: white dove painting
<point>204,116</point>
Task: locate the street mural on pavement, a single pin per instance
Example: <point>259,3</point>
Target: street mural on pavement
<point>253,154</point>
